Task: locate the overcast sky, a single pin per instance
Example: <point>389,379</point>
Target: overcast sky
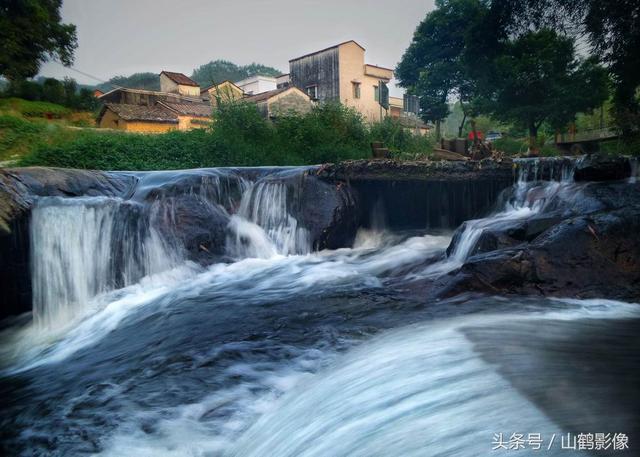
<point>120,37</point>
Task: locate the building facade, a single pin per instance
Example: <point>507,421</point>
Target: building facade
<point>257,84</point>
<point>339,73</point>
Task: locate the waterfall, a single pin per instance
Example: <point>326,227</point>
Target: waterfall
<point>529,196</point>
<point>264,225</point>
<point>83,247</point>
<point>550,169</point>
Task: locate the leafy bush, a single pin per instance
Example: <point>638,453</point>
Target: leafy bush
<point>239,136</point>
<point>401,141</point>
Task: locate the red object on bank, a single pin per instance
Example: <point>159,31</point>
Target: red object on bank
<point>479,133</point>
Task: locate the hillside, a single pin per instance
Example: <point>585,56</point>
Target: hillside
<point>205,75</point>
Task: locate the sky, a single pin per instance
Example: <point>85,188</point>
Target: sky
<point>120,37</point>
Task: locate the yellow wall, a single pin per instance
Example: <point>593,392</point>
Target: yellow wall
<point>226,91</point>
<point>184,122</point>
<point>352,69</point>
<point>149,127</point>
<point>111,120</point>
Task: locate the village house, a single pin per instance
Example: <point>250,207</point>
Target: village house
<point>225,91</point>
<point>278,102</point>
<point>177,106</point>
<point>257,84</point>
<point>398,110</point>
<point>339,73</point>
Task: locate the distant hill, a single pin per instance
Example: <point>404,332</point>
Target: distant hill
<point>217,71</point>
<point>213,72</point>
<point>147,80</point>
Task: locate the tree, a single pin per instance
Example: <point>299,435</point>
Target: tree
<point>537,78</point>
<point>217,71</point>
<point>611,28</point>
<point>144,80</point>
<point>436,65</point>
<point>31,31</point>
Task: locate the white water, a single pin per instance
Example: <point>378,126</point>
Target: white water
<point>422,387</point>
<point>264,225</point>
<point>81,248</point>
<point>530,197</point>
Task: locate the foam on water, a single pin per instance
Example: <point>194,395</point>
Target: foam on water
<point>407,390</point>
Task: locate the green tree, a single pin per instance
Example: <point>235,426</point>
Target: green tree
<point>436,66</point>
<point>611,28</point>
<point>53,91</point>
<point>144,80</point>
<point>31,31</point>
<point>217,71</point>
<point>537,78</point>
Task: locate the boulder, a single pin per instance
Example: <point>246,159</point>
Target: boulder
<point>578,255</point>
<point>600,167</point>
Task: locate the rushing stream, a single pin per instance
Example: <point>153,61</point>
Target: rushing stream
<point>278,350</point>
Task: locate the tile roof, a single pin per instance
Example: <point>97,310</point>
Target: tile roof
<point>155,113</point>
<point>180,78</point>
<point>189,109</point>
<point>262,96</point>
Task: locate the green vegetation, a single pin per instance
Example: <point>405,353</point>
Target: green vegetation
<point>239,137</point>
<point>19,136</point>
<point>495,59</point>
<point>217,71</point>
<point>30,32</point>
<point>145,80</point>
<point>65,92</point>
<point>33,109</point>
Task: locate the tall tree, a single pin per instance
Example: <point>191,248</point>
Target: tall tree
<point>538,78</point>
<point>611,28</point>
<point>31,31</point>
<point>435,67</point>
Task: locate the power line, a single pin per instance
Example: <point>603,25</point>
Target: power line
<point>87,74</point>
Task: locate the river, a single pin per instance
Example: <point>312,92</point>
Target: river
<point>284,351</point>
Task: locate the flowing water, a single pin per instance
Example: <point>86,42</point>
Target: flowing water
<point>281,351</point>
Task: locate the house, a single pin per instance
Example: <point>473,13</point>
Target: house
<point>225,91</point>
<point>275,103</point>
<point>282,81</point>
<point>257,84</point>
<point>339,73</point>
<point>137,118</point>
<point>97,93</point>
<point>178,83</point>
<point>177,106</point>
<point>409,121</point>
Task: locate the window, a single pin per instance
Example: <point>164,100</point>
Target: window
<point>376,93</point>
<point>312,91</point>
<point>356,89</point>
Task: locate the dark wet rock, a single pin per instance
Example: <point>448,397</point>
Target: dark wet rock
<point>358,170</point>
<point>600,167</point>
<point>328,210</point>
<point>197,226</point>
<point>596,255</point>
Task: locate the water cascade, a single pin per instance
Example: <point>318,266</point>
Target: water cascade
<point>205,312</point>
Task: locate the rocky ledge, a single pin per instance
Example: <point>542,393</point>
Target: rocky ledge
<point>585,245</point>
<point>441,170</point>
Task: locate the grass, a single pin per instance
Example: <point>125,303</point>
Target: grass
<point>26,108</point>
<point>26,126</point>
<point>239,137</point>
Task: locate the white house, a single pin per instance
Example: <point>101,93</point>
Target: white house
<point>257,84</point>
